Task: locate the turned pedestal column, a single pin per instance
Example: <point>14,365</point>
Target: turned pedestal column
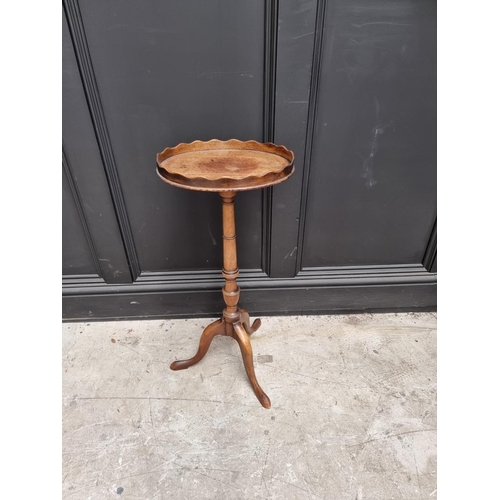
<point>235,321</point>
<point>227,167</point>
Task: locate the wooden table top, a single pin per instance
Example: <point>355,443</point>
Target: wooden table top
<point>225,165</point>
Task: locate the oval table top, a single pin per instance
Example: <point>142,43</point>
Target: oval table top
<point>225,165</point>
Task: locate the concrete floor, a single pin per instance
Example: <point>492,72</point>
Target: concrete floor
<point>353,410</point>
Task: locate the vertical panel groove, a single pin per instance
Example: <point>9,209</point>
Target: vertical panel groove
<point>430,252</point>
<point>270,61</point>
<point>270,53</point>
<point>311,119</point>
<point>79,207</point>
<point>89,82</point>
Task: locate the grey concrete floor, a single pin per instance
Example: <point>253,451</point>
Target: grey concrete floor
<point>353,410</point>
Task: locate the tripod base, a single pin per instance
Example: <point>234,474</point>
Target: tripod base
<point>240,330</point>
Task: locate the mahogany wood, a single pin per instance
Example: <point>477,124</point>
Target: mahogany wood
<point>227,167</point>
<point>245,320</point>
<point>216,328</point>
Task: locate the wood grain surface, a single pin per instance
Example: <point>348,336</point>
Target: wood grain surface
<point>225,165</point>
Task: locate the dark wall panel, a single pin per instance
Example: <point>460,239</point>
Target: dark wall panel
<point>170,72</point>
<point>348,85</point>
<point>297,32</point>
<point>77,255</point>
<point>372,190</point>
<point>84,168</point>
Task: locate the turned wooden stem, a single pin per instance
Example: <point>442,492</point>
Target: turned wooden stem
<point>230,271</point>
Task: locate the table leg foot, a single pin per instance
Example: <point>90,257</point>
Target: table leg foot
<point>245,320</point>
<point>216,328</point>
<point>241,337</point>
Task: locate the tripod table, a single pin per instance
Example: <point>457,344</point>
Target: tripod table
<point>227,167</point>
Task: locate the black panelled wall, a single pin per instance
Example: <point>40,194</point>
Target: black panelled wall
<point>348,85</point>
